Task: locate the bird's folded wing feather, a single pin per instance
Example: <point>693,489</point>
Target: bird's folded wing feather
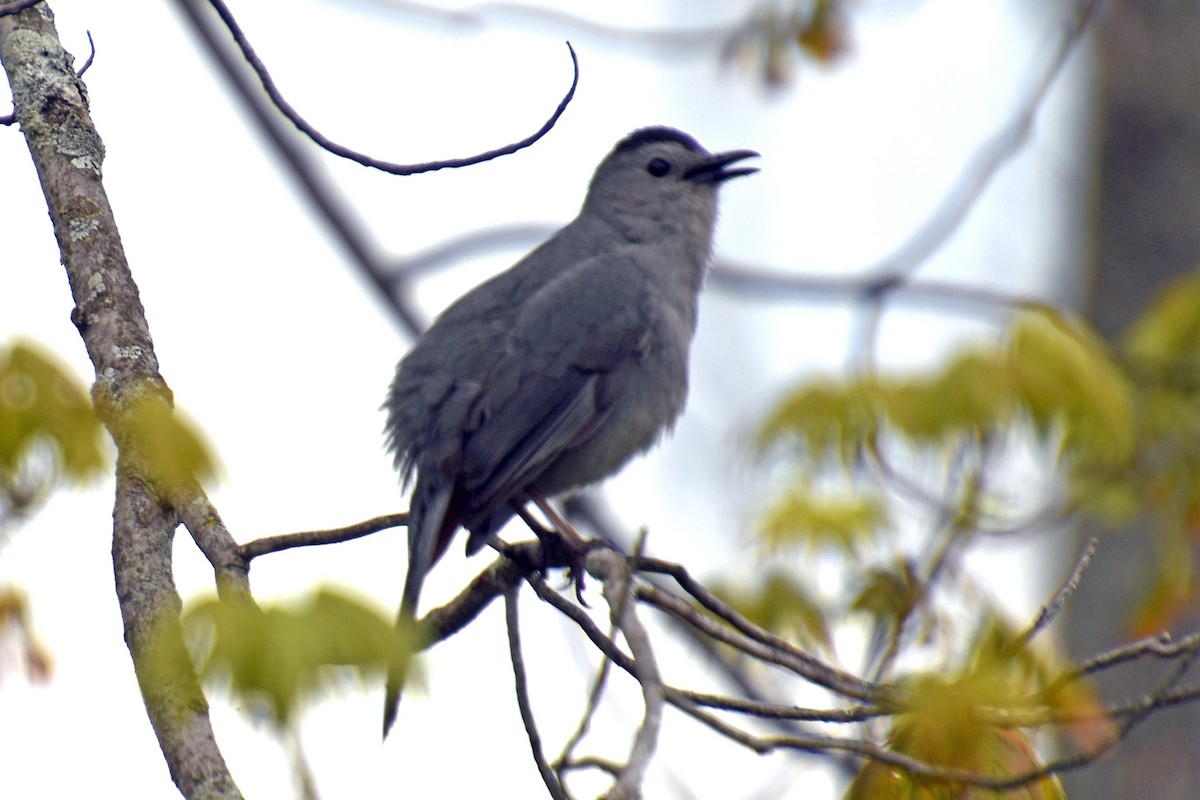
<point>551,390</point>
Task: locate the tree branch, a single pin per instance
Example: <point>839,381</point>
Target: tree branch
<point>230,567</point>
<point>67,153</point>
<point>324,197</point>
<point>286,541</point>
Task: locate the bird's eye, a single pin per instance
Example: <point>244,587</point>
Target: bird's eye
<point>658,167</point>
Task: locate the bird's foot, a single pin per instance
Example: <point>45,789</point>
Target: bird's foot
<point>562,544</point>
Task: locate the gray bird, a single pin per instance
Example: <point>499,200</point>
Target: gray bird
<point>553,374</point>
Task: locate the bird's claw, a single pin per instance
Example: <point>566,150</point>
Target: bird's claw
<point>572,552</point>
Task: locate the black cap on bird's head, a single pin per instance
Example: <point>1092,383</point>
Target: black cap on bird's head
<point>657,133</point>
<point>711,169</point>
<point>661,172</point>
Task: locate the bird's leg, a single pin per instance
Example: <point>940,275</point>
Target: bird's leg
<point>554,550</point>
<point>568,539</point>
<point>573,539</point>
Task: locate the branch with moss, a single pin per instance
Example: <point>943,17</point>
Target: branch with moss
<point>51,105</point>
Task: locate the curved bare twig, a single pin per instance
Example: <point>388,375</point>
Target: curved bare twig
<point>392,168</point>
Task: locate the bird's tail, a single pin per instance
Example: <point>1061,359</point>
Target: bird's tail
<point>398,668</point>
<point>424,525</point>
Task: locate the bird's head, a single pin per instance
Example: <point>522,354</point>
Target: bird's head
<point>658,182</point>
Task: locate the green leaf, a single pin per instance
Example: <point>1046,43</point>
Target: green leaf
<point>803,517</point>
<point>954,719</point>
<point>169,445</point>
<point>1067,376</point>
<point>41,401</point>
<point>830,420</point>
<point>282,655</point>
<point>973,393</point>
<point>1169,329</point>
<point>888,595</point>
<point>779,604</point>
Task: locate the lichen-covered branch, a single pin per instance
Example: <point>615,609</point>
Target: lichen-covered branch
<point>52,109</point>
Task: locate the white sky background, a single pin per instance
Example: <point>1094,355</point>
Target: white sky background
<point>283,356</point>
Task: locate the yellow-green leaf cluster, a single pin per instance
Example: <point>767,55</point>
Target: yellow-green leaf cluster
<point>281,655</point>
<point>781,605</point>
<point>1053,372</point>
<point>169,446</point>
<point>1169,331</point>
<point>888,595</point>
<point>1161,352</point>
<point>1066,376</point>
<point>803,517</point>
<point>833,420</point>
<point>41,401</point>
<point>956,722</point>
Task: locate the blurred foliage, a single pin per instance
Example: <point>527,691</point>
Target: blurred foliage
<point>1051,373</point>
<point>959,720</point>
<point>278,657</point>
<point>1117,429</point>
<point>806,518</point>
<point>48,431</point>
<point>779,603</point>
<point>776,39</point>
<point>888,596</point>
<point>17,638</point>
<point>169,446</point>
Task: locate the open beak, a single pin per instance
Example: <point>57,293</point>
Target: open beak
<point>714,168</point>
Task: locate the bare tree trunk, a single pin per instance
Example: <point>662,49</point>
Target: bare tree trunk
<point>1147,232</point>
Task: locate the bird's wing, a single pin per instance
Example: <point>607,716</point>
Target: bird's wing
<point>552,388</point>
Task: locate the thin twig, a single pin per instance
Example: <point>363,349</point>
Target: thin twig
<point>286,541</point>
<point>497,579</point>
<point>458,249</point>
<point>91,56</point>
<point>1161,646</point>
<point>512,620</point>
<point>802,663</point>
<point>325,197</point>
<point>895,270</point>
<point>744,280</point>
<point>613,571</point>
<point>978,174</point>
<point>829,746</point>
<point>606,645</point>
<point>852,714</point>
<point>342,151</point>
<point>1051,609</point>
<point>566,757</point>
<point>597,690</point>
